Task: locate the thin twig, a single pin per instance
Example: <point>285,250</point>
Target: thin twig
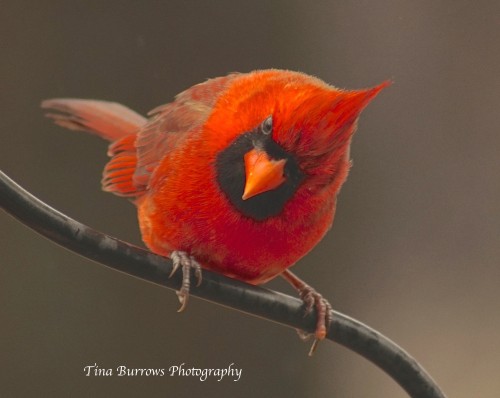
<point>216,288</point>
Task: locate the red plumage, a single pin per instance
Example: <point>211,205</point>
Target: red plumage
<point>176,166</point>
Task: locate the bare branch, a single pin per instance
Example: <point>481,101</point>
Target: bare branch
<point>216,288</point>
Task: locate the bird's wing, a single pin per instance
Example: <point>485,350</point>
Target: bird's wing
<point>172,122</point>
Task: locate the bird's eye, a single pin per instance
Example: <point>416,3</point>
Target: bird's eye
<point>267,125</point>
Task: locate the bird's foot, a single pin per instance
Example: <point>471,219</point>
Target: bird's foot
<point>188,263</point>
<point>312,299</point>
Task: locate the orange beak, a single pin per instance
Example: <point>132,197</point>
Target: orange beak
<point>262,173</point>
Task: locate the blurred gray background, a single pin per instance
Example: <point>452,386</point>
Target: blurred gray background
<point>414,251</point>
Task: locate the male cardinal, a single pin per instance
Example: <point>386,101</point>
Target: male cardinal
<point>238,175</point>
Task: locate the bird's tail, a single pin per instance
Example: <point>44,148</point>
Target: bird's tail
<point>108,120</point>
<point>113,122</point>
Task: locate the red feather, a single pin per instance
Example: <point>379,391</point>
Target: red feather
<point>168,165</point>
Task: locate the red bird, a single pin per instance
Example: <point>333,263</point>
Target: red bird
<point>239,175</point>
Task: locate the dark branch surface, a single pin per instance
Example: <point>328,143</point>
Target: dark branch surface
<point>252,300</point>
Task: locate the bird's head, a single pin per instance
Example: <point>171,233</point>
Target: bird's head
<point>280,132</point>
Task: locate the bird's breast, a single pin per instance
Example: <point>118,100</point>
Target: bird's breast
<point>201,220</point>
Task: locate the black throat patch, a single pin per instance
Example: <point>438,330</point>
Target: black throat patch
<point>230,168</point>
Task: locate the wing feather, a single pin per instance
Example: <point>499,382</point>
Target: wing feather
<point>171,123</point>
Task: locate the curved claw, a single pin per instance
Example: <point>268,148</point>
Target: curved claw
<point>180,258</point>
<point>183,299</point>
<point>176,266</point>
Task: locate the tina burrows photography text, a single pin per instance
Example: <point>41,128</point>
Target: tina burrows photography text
<point>180,370</point>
